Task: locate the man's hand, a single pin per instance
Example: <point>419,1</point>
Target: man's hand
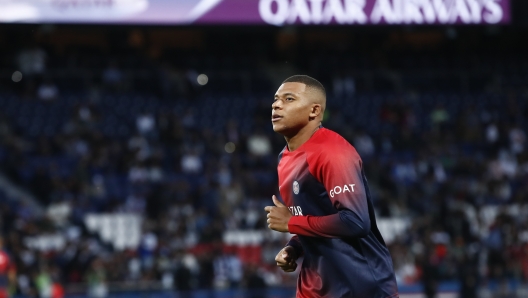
<point>286,259</point>
<point>278,216</point>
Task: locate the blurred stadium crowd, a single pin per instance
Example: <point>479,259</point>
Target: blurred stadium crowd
<point>442,134</point>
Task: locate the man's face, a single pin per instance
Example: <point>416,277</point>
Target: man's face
<point>291,109</point>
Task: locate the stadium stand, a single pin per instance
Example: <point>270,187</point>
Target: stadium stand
<point>150,179</point>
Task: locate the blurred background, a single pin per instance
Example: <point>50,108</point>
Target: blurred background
<point>136,151</point>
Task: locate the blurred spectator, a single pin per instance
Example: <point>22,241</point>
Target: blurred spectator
<point>231,198</point>
<point>7,271</point>
<point>32,61</point>
<point>232,132</point>
<point>135,203</point>
<point>439,115</point>
<point>112,76</point>
<point>259,144</point>
<point>47,91</point>
<point>183,273</point>
<point>429,266</point>
<point>363,144</point>
<point>517,139</point>
<point>147,248</point>
<point>188,119</point>
<point>57,291</point>
<point>344,85</point>
<point>492,137</point>
<point>206,271</point>
<point>96,278</point>
<point>146,124</point>
<point>191,163</point>
<point>140,146</point>
<point>228,270</point>
<point>44,282</point>
<point>254,282</point>
<point>468,276</point>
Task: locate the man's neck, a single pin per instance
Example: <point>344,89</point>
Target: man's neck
<point>301,137</point>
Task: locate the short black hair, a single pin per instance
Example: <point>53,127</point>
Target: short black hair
<point>308,81</point>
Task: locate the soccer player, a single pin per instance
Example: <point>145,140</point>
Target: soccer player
<point>327,203</point>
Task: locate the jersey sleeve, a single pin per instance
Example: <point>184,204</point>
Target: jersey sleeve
<point>296,244</point>
<point>340,171</point>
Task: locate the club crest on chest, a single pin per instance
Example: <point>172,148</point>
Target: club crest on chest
<point>296,187</point>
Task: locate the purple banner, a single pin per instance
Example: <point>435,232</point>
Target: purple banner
<point>272,12</point>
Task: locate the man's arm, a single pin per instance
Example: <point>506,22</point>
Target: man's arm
<point>296,244</point>
<point>278,217</point>
<point>341,175</point>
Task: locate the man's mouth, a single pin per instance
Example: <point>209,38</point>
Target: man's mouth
<point>275,118</point>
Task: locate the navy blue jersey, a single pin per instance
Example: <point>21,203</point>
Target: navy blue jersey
<point>324,186</point>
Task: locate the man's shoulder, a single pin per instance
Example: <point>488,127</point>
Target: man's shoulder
<point>332,135</point>
<point>328,145</point>
<point>329,140</point>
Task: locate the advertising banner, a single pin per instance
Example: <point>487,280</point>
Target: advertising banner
<point>258,12</point>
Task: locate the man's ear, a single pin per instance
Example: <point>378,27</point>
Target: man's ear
<point>316,111</point>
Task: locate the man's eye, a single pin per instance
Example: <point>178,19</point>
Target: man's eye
<point>289,98</point>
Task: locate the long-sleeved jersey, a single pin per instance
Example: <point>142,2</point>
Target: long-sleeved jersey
<point>324,186</point>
